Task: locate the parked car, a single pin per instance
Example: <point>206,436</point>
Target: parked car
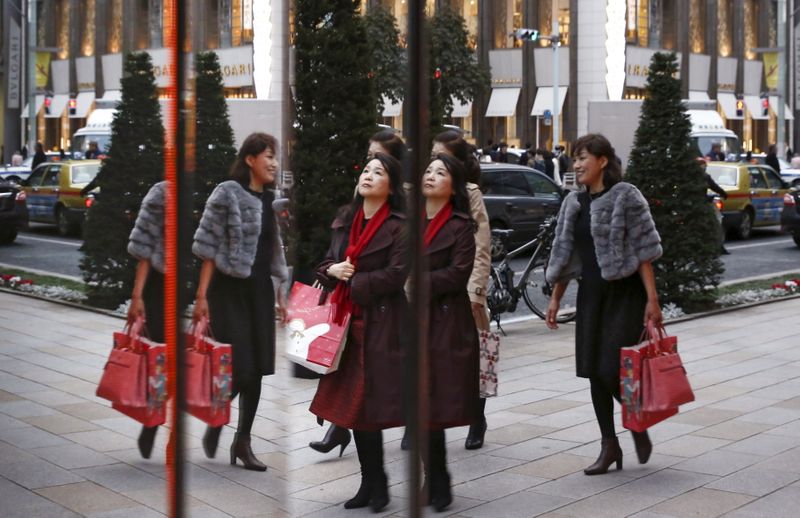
<point>53,193</point>
<point>790,217</point>
<point>15,174</point>
<point>13,212</point>
<point>517,198</point>
<point>787,173</point>
<point>755,195</point>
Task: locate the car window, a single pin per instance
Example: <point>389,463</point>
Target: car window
<point>757,180</point>
<point>51,177</point>
<point>84,173</point>
<point>515,184</point>
<point>541,186</point>
<point>725,176</point>
<point>491,183</point>
<point>773,180</point>
<point>35,179</point>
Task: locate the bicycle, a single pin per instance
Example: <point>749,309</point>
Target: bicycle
<point>503,293</point>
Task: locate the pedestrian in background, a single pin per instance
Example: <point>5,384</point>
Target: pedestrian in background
<point>453,354</point>
<point>389,143</point>
<point>16,159</point>
<point>239,242</point>
<point>146,243</point>
<point>39,157</point>
<point>366,267</point>
<point>617,290</point>
<point>452,143</point>
<point>502,154</point>
<point>772,159</point>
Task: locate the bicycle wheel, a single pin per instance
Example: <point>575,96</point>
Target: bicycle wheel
<point>537,293</point>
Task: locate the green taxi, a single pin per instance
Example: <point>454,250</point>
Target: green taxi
<point>53,192</point>
<point>755,195</point>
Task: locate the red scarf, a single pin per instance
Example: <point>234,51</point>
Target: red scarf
<point>437,223</point>
<point>359,239</point>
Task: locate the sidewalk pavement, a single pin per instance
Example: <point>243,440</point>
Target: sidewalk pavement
<point>733,452</point>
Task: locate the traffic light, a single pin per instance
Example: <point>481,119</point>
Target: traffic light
<point>526,34</point>
<point>47,101</point>
<point>73,105</point>
<point>437,74</point>
<point>739,107</point>
<point>765,105</point>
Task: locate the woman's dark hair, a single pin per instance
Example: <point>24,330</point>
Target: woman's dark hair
<point>455,144</point>
<point>459,182</point>
<point>253,145</point>
<point>39,147</point>
<point>392,143</point>
<point>397,199</point>
<point>597,145</point>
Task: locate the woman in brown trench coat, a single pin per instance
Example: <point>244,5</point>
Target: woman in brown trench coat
<point>453,339</point>
<point>365,393</point>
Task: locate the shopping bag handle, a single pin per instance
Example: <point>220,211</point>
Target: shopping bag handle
<point>654,333</point>
<point>134,332</point>
<point>198,330</point>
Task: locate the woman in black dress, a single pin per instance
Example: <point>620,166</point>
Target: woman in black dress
<point>606,236</point>
<point>239,242</point>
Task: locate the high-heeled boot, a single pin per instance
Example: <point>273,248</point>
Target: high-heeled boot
<point>211,440</point>
<point>477,430</point>
<point>643,446</point>
<point>610,452</point>
<point>362,496</point>
<point>240,449</point>
<point>335,436</point>
<point>146,438</point>
<point>441,495</point>
<point>379,496</point>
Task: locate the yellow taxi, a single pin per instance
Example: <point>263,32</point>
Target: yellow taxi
<point>755,195</point>
<point>53,192</point>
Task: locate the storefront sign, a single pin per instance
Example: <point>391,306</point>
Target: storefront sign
<point>84,71</point>
<point>637,65</point>
<point>506,65</point>
<point>726,74</point>
<point>112,72</point>
<point>60,72</point>
<point>14,69</point>
<point>236,64</point>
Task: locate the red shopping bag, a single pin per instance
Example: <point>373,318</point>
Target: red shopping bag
<point>134,379</point>
<point>209,376</point>
<point>634,416</point>
<point>313,339</point>
<point>665,383</point>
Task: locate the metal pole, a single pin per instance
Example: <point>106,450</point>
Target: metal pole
<point>554,42</point>
<point>31,77</point>
<point>782,56</point>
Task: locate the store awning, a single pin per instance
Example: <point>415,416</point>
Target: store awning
<point>83,103</point>
<point>112,96</point>
<point>58,103</point>
<point>391,108</point>
<point>695,95</point>
<point>39,104</point>
<point>753,103</point>
<point>728,102</point>
<point>461,109</point>
<point>787,112</point>
<point>503,102</point>
<point>544,100</point>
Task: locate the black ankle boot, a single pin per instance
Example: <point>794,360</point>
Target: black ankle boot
<point>477,431</point>
<point>240,449</point>
<point>643,446</point>
<point>335,436</point>
<point>379,496</point>
<point>441,495</point>
<point>211,440</point>
<point>610,453</point>
<point>362,497</point>
<point>146,438</point>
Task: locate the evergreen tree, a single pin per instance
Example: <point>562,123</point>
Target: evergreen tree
<point>454,68</point>
<point>215,150</point>
<point>134,163</point>
<point>335,116</point>
<point>663,166</point>
<point>389,66</point>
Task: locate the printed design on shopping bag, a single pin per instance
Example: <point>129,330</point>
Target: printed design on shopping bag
<point>300,338</point>
<point>630,387</point>
<point>222,384</point>
<point>157,382</point>
<point>489,356</point>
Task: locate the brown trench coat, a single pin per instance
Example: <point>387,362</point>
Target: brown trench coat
<point>453,346</point>
<point>377,286</point>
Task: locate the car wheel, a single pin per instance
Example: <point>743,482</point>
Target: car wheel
<point>796,183</point>
<point>746,225</point>
<point>64,226</point>
<point>497,247</point>
<point>8,237</point>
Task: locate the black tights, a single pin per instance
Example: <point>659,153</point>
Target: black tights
<point>369,446</point>
<point>249,396</point>
<point>604,392</point>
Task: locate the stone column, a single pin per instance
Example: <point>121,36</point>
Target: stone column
<point>683,44</point>
<point>526,124</point>
<point>711,45</point>
<point>485,43</point>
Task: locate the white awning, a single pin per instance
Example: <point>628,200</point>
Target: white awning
<point>391,108</point>
<point>461,109</point>
<point>787,112</point>
<point>39,104</point>
<point>58,103</point>
<point>112,96</point>
<point>728,102</point>
<point>753,103</point>
<point>544,100</point>
<point>503,102</point>
<point>83,103</point>
<point>695,95</point>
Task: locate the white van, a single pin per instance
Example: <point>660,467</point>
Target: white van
<point>97,129</point>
